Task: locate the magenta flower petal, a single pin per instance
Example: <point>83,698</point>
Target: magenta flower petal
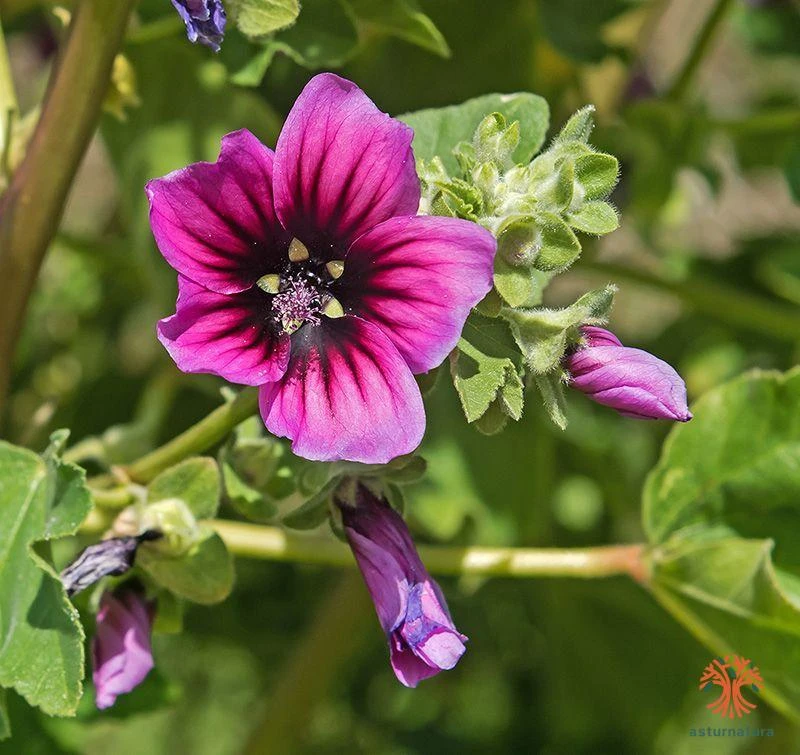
<point>418,278</point>
<point>121,652</point>
<point>215,222</point>
<point>411,608</point>
<point>634,382</point>
<point>224,335</point>
<point>341,165</point>
<point>347,394</point>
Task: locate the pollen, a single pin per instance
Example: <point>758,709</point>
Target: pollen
<point>298,303</point>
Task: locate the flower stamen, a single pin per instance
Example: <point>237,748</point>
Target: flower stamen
<point>298,251</point>
<point>270,284</point>
<point>296,304</point>
<point>335,268</point>
<point>333,308</point>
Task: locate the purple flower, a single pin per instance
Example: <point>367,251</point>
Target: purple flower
<point>633,382</point>
<point>411,607</point>
<point>306,271</point>
<point>121,652</point>
<point>204,19</point>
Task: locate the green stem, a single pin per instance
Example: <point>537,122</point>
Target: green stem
<point>31,208</point>
<point>702,42</point>
<point>276,544</point>
<point>725,303</point>
<point>200,437</point>
<point>8,95</point>
<point>337,631</point>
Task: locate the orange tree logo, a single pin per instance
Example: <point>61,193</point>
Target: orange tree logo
<point>730,677</point>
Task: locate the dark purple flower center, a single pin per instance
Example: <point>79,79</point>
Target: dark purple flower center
<point>301,291</point>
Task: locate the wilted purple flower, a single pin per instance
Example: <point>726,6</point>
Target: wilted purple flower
<point>204,19</point>
<point>305,271</point>
<point>121,652</point>
<point>633,382</point>
<point>411,607</point>
<point>113,557</point>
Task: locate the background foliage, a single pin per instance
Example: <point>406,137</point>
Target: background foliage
<point>707,261</point>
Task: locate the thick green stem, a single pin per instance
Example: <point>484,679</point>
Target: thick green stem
<point>8,95</point>
<point>31,208</point>
<point>339,627</point>
<point>700,46</point>
<point>275,544</point>
<point>725,303</point>
<point>206,433</point>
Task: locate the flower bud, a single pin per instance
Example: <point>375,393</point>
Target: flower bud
<point>121,653</point>
<point>632,381</point>
<point>410,605</point>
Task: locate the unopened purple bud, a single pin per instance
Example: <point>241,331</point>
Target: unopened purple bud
<point>410,605</point>
<point>204,19</point>
<point>111,557</point>
<point>632,381</point>
<point>121,652</point>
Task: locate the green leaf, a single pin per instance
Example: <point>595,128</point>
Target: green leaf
<point>203,575</point>
<point>41,640</point>
<point>520,286</point>
<point>726,484</point>
<point>252,73</point>
<point>543,335</point>
<point>438,130</point>
<point>595,217</point>
<point>194,481</point>
<point>484,369</point>
<point>579,126</point>
<point>256,18</point>
<point>256,474</point>
<point>314,511</point>
<point>735,465</point>
<point>559,246</point>
<point>403,19</point>
<point>551,387</point>
<point>555,192</point>
<point>323,37</point>
<point>597,173</point>
<point>728,594</point>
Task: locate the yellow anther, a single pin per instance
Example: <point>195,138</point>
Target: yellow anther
<point>333,309</point>
<point>335,268</point>
<point>269,283</point>
<point>298,251</point>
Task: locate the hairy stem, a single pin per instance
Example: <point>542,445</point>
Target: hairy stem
<point>700,46</point>
<point>276,544</point>
<point>31,208</point>
<point>725,303</point>
<point>338,629</point>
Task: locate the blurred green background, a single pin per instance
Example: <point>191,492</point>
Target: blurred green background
<point>708,264</point>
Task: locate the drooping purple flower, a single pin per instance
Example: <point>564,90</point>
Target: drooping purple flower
<point>121,652</point>
<point>306,271</point>
<point>410,605</point>
<point>204,19</point>
<point>114,557</point>
<point>632,381</point>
